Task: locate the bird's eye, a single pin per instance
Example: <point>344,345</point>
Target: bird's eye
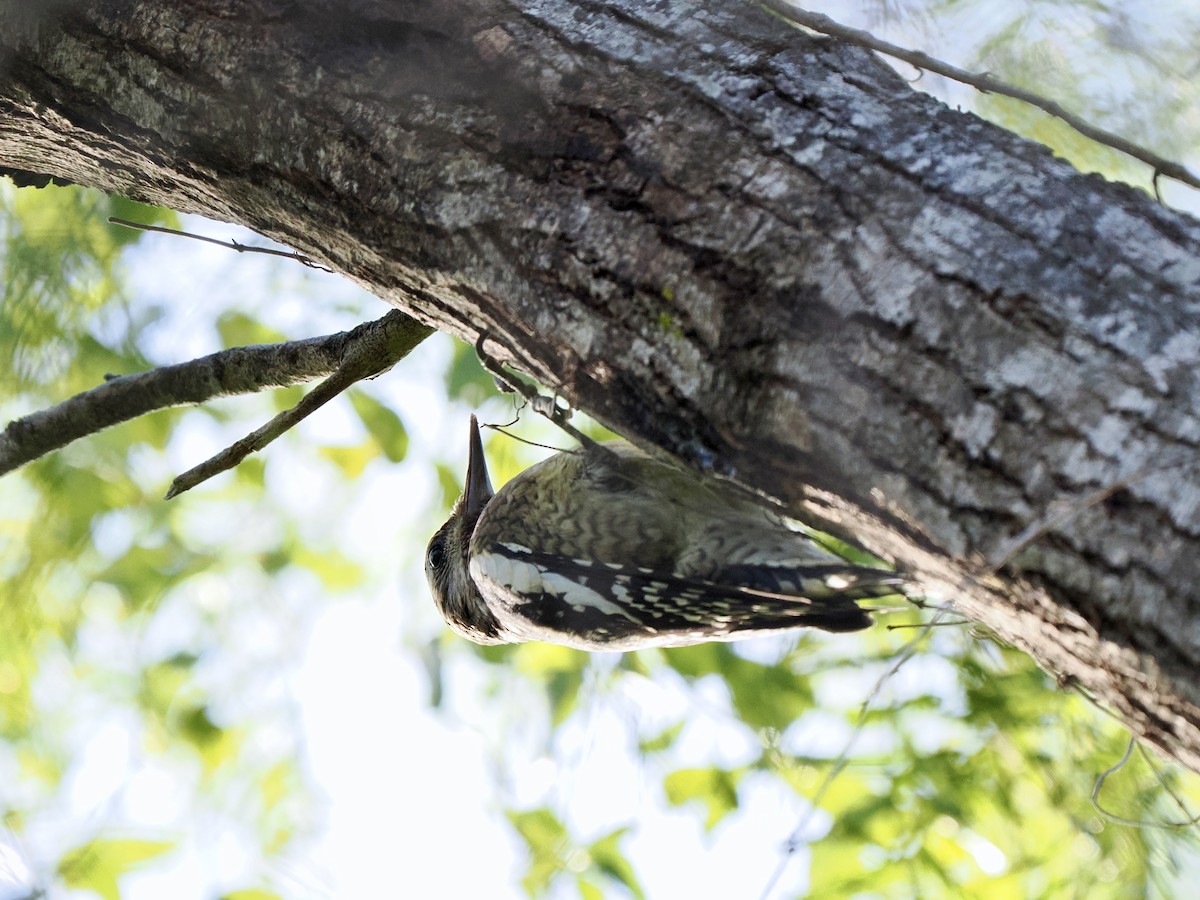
<point>437,555</point>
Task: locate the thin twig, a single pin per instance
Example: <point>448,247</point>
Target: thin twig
<point>501,429</point>
<point>538,402</point>
<point>1190,818</point>
<point>232,245</point>
<point>1103,776</point>
<point>1136,823</point>
<point>260,437</point>
<point>983,82</point>
<point>911,625</point>
<point>1063,511</point>
<point>374,354</point>
<point>793,842</point>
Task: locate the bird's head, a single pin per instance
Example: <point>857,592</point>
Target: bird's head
<point>447,557</point>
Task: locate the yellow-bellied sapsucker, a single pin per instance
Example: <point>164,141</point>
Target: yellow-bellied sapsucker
<point>606,548</point>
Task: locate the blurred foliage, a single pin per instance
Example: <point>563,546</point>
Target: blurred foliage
<point>597,868</point>
<point>384,426</point>
<point>98,864</point>
<point>93,564</point>
<point>60,264</point>
<point>967,771</point>
<point>1103,60</point>
<point>977,784</point>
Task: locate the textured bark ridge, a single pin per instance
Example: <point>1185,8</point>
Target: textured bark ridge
<point>756,249</point>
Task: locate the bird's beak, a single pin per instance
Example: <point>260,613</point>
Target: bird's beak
<point>479,487</point>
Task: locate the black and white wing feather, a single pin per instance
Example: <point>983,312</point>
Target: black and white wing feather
<point>608,606</point>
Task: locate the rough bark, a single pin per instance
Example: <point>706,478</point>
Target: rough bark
<point>756,249</point>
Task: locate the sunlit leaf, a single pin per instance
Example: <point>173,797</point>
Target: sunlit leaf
<point>336,571</point>
<point>607,856</point>
<point>547,840</point>
<point>714,788</point>
<point>351,460</point>
<point>215,745</point>
<point>661,741</point>
<point>767,696</point>
<point>466,379</point>
<point>99,864</point>
<point>836,868</point>
<point>560,669</point>
<point>283,398</point>
<point>382,423</point>
<point>238,329</point>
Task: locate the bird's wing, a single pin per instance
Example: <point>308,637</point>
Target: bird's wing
<point>542,595</point>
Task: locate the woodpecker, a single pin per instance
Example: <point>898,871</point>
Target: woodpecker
<point>607,548</point>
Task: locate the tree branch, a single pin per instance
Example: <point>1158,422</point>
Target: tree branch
<point>240,370</point>
<point>369,352</point>
<point>984,82</point>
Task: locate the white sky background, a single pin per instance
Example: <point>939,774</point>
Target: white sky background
<point>405,797</point>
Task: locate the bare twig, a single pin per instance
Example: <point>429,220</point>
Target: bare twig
<point>793,842</point>
<point>1190,818</point>
<point>237,371</point>
<point>260,437</point>
<point>1058,514</point>
<point>546,406</point>
<point>1061,512</point>
<point>232,245</point>
<point>983,82</point>
<point>1136,823</point>
<point>369,352</point>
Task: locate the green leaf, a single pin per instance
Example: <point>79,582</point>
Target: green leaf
<point>162,683</point>
<point>764,696</point>
<point>836,868</point>
<point>59,263</point>
<point>767,696</point>
<point>145,573</point>
<point>451,484</point>
<point>350,460</point>
<point>282,398</point>
<point>467,380</point>
<point>560,669</point>
<point>540,828</point>
<point>132,211</point>
<point>607,857</point>
<point>662,741</point>
<point>237,329</point>
<point>547,840</point>
<point>382,423</point>
<point>336,571</point>
<point>198,728</point>
<point>252,471</point>
<point>715,788</point>
<point>215,745</point>
<point>698,660</point>
<point>98,864</point>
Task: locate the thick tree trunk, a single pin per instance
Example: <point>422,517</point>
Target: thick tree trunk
<point>756,249</point>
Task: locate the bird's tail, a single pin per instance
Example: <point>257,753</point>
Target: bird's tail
<point>816,582</point>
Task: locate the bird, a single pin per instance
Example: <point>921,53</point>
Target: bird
<point>606,548</point>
